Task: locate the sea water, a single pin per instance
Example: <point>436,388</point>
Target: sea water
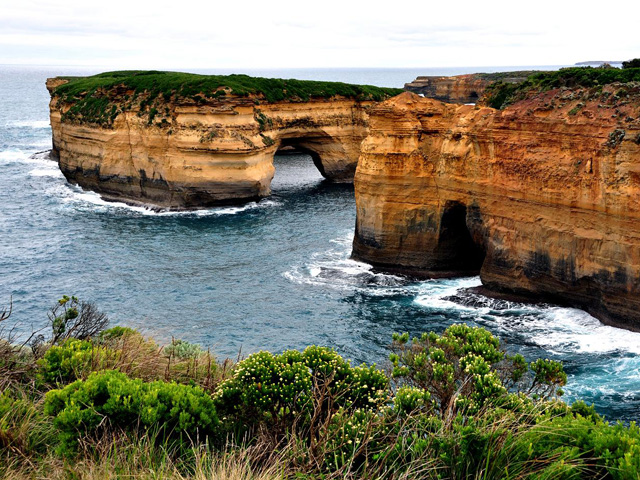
<point>271,275</point>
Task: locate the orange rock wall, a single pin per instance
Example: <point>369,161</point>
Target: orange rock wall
<point>456,89</point>
<point>543,198</point>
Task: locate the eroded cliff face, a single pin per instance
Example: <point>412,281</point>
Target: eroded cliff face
<point>542,198</point>
<point>455,89</point>
<point>190,153</point>
<point>462,88</point>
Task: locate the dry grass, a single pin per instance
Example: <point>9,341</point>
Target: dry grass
<point>117,456</point>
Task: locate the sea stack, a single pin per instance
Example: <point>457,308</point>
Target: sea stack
<point>181,141</point>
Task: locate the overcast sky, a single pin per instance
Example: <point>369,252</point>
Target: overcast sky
<point>325,33</point>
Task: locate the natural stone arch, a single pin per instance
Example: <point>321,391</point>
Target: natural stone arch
<point>218,151</point>
<point>333,159</point>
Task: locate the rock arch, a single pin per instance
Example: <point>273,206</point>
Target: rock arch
<point>199,154</point>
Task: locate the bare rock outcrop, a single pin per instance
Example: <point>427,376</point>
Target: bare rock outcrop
<point>541,198</point>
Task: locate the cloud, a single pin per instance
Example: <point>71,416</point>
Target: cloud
<point>335,33</point>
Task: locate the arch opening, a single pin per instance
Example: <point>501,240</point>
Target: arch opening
<point>456,245</point>
<point>297,146</point>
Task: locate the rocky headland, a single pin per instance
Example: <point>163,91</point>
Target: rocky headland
<point>462,88</point>
<point>540,195</point>
<point>181,141</point>
<point>542,198</point>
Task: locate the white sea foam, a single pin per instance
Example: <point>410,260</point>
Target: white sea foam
<point>576,330</point>
<point>334,269</point>
<point>557,329</point>
<point>76,196</point>
<point>31,124</point>
<point>13,155</point>
<point>435,293</point>
<point>46,172</point>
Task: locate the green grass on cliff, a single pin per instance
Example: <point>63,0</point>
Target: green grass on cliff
<point>501,94</point>
<point>99,99</point>
<point>188,85</point>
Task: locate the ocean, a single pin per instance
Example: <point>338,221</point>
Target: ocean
<point>269,275</point>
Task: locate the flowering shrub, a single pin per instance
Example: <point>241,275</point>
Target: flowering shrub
<point>278,389</point>
<point>465,369</point>
<point>112,400</point>
<point>348,435</point>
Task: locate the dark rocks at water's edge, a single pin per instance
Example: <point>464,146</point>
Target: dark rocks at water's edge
<point>45,155</point>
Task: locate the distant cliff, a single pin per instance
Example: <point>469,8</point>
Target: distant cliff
<point>541,198</point>
<point>462,88</point>
<point>183,141</point>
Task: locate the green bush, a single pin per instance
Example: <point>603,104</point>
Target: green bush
<point>464,369</point>
<point>606,451</point>
<point>500,94</point>
<point>74,359</point>
<point>182,350</point>
<point>112,400</point>
<point>94,98</point>
<point>280,389</point>
<point>116,333</point>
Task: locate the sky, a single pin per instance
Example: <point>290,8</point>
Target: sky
<point>321,34</point>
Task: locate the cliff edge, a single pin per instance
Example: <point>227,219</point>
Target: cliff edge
<point>469,88</point>
<point>541,198</point>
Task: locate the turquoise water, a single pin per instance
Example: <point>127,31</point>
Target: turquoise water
<point>269,275</point>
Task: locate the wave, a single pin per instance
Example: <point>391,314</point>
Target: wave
<point>576,330</point>
<point>46,172</point>
<point>334,269</point>
<point>30,156</point>
<point>85,199</point>
<point>36,124</point>
<point>556,329</point>
<point>437,294</point>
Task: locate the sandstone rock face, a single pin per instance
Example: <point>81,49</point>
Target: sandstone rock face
<point>461,88</point>
<point>542,198</point>
<point>194,154</point>
<point>456,89</point>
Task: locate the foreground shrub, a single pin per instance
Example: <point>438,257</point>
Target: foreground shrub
<point>464,369</point>
<point>111,400</point>
<point>72,318</point>
<point>74,359</point>
<point>295,386</point>
<point>610,451</point>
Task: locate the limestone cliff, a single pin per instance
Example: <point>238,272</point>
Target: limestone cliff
<point>155,142</point>
<point>542,198</point>
<point>462,88</point>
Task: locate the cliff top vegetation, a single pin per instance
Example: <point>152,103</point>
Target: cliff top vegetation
<point>500,94</point>
<point>178,85</point>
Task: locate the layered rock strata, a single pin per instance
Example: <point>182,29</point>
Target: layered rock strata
<point>461,88</point>
<point>199,151</point>
<point>542,198</point>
